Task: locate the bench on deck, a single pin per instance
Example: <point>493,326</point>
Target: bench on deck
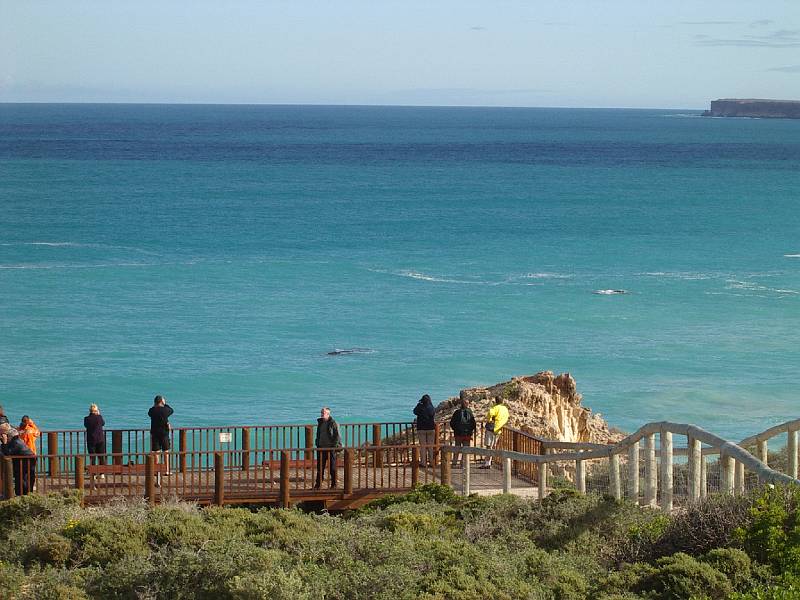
<point>129,469</point>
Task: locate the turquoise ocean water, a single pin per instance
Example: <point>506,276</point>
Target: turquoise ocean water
<point>216,254</point>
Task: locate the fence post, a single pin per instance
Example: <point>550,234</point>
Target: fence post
<point>52,450</point>
<point>703,475</point>
<point>763,451</point>
<point>739,483</point>
<point>219,479</point>
<point>80,465</point>
<point>8,478</point>
<point>506,475</point>
<point>245,449</point>
<point>633,472</point>
<point>348,471</point>
<point>465,476</point>
<point>377,442</point>
<point>182,450</point>
<point>666,470</point>
<point>580,476</point>
<point>116,446</point>
<point>727,464</point>
<point>445,468</point>
<point>614,482</point>
<point>695,449</point>
<point>284,484</point>
<point>149,479</point>
<point>791,448</point>
<point>542,480</point>
<point>650,474</point>
<point>414,466</point>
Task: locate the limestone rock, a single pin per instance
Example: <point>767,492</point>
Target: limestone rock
<point>544,404</point>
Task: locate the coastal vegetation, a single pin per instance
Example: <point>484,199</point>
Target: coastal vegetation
<point>429,544</point>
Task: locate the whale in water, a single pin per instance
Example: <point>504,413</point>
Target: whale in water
<point>340,351</point>
<point>610,292</point>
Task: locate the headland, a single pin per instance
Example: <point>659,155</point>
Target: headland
<point>754,108</point>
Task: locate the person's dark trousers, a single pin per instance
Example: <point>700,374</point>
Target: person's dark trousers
<point>326,456</point>
<point>97,453</point>
<point>24,475</point>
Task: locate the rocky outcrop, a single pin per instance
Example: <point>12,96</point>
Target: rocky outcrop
<point>762,109</point>
<point>544,404</point>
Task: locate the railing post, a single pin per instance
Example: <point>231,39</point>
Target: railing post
<point>650,474</point>
<point>149,479</point>
<point>465,476</point>
<point>245,449</point>
<point>414,466</point>
<point>580,476</point>
<point>309,443</point>
<point>348,471</point>
<point>444,466</point>
<point>52,450</point>
<point>376,441</point>
<point>633,472</point>
<point>506,475</point>
<point>284,484</point>
<point>80,465</point>
<point>515,447</point>
<point>695,450</point>
<point>791,448</point>
<point>8,478</point>
<point>436,432</point>
<point>739,483</point>
<point>542,480</point>
<point>219,479</point>
<point>763,451</point>
<point>727,464</point>
<point>614,482</point>
<point>182,449</point>
<point>116,446</point>
<point>666,470</point>
<point>703,475</point>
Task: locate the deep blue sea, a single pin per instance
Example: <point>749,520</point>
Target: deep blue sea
<point>216,254</point>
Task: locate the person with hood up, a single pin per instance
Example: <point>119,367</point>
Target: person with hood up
<point>23,459</point>
<point>327,442</point>
<point>28,432</point>
<point>426,430</point>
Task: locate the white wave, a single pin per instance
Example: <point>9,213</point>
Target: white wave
<point>610,292</point>
<point>432,278</point>
<point>545,276</point>
<point>79,245</point>
<point>792,255</point>
<point>684,275</point>
<point>73,266</point>
<point>751,286</point>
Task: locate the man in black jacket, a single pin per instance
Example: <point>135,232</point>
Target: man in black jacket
<point>159,415</point>
<point>327,442</point>
<point>463,424</point>
<point>23,459</point>
<point>426,429</point>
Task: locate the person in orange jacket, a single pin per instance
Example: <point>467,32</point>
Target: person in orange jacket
<point>28,432</point>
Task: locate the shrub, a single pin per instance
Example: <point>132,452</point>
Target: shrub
<point>102,540</point>
<point>733,563</point>
<point>680,576</point>
<point>25,509</point>
<point>51,549</point>
<point>773,534</point>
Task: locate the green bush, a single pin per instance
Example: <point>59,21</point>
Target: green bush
<point>733,563</point>
<point>25,509</point>
<point>102,540</point>
<point>52,549</point>
<point>773,535</point>
<point>680,576</point>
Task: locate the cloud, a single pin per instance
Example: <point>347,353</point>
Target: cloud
<point>761,23</point>
<point>780,38</point>
<point>478,28</point>
<point>789,69</point>
<point>707,23</point>
<point>483,92</point>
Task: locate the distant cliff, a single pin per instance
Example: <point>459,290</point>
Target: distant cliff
<point>764,109</point>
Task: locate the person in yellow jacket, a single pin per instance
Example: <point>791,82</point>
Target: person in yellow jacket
<point>496,419</point>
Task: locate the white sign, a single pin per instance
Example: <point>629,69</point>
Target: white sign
<point>225,438</point>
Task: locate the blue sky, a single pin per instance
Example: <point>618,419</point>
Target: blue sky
<point>677,54</point>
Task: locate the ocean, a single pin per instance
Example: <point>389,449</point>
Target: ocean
<point>218,254</point>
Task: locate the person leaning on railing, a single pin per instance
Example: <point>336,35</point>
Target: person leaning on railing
<point>159,415</point>
<point>426,429</point>
<point>327,442</point>
<point>496,419</point>
<point>23,459</point>
<point>95,436</point>
<point>463,425</point>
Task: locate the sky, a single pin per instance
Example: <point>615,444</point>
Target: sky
<point>570,53</point>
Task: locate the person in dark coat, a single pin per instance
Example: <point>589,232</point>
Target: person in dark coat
<point>426,429</point>
<point>463,425</point>
<point>95,436</point>
<point>3,417</point>
<point>23,459</point>
<point>159,415</point>
<point>328,440</point>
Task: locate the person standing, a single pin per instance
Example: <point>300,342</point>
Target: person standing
<point>28,432</point>
<point>496,419</point>
<point>23,459</point>
<point>159,415</point>
<point>426,429</point>
<point>3,417</point>
<point>463,425</point>
<point>95,436</point>
<point>327,442</point>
